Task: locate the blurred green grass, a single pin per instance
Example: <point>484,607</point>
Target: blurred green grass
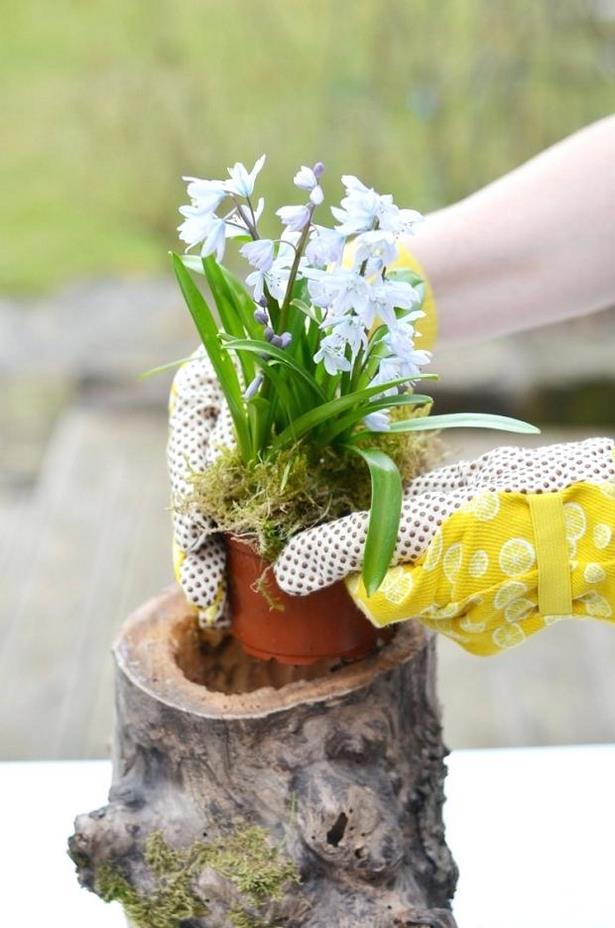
<point>108,104</point>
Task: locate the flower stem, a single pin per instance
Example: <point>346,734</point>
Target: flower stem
<point>294,271</point>
<point>250,226</point>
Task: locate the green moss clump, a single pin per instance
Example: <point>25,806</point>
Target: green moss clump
<point>173,899</point>
<point>255,867</point>
<point>245,857</point>
<point>267,501</point>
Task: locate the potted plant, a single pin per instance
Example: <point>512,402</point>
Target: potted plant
<point>246,793</point>
<point>318,358</point>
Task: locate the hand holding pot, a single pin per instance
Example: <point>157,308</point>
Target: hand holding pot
<point>199,425</point>
<point>489,551</point>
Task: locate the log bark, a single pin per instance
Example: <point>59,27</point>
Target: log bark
<point>292,796</point>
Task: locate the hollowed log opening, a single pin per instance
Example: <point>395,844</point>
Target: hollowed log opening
<point>272,795</point>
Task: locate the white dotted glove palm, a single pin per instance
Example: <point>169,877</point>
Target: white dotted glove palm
<point>319,556</point>
<point>199,425</point>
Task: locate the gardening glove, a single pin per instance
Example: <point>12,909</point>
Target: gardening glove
<point>199,426</point>
<point>489,551</point>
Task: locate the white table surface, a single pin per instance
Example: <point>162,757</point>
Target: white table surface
<point>531,829</point>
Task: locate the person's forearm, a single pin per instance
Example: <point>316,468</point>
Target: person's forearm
<point>536,246</point>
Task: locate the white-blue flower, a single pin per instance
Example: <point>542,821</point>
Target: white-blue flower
<point>206,228</point>
<point>376,249</point>
<point>338,290</point>
<point>260,253</point>
<point>326,247</point>
<point>377,421</point>
<point>331,353</point>
<point>396,220</point>
<point>348,329</point>
<point>215,238</point>
<point>294,217</point>
<point>206,195</point>
<point>241,182</point>
<point>305,178</point>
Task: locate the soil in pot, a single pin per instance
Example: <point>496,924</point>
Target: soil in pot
<point>293,629</point>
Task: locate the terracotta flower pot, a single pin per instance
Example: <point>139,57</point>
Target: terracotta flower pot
<point>303,629</point>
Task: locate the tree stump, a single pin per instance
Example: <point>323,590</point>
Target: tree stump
<point>254,795</point>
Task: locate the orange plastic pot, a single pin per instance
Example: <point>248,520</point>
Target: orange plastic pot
<point>303,629</point>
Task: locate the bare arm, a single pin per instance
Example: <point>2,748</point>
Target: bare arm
<point>534,247</point>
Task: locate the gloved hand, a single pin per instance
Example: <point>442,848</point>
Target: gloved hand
<point>199,425</point>
<point>489,551</point>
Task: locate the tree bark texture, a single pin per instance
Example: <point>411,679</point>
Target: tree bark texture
<point>247,794</point>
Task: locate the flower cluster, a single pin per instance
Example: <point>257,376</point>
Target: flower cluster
<point>362,305</point>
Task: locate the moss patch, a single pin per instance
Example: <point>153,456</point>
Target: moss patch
<point>267,501</point>
<point>245,857</point>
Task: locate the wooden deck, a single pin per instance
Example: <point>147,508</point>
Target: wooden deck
<point>91,541</point>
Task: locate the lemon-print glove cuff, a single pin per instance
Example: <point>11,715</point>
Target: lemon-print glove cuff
<point>487,549</point>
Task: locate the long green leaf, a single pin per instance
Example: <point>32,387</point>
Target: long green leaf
<point>459,420</point>
<point>163,368</point>
<point>231,320</point>
<point>384,517</point>
<point>221,362</point>
<point>315,417</point>
<point>356,415</point>
<point>243,302</point>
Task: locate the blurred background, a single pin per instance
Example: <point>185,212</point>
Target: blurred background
<point>105,107</point>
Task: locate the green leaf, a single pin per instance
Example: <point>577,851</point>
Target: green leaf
<point>259,414</point>
<point>227,375</point>
<point>261,347</point>
<point>193,263</point>
<point>384,517</point>
<point>327,411</point>
<point>165,367</point>
<point>230,318</point>
<point>346,422</point>
<point>460,420</point>
<point>283,390</point>
<point>244,303</point>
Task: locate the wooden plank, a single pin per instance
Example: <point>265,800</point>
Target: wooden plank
<point>103,490</point>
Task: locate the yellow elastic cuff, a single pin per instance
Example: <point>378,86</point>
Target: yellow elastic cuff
<point>179,557</point>
<point>427,327</point>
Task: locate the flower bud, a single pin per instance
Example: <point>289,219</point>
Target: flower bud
<point>252,388</point>
<point>319,169</point>
<point>269,334</point>
<point>260,316</point>
<point>285,339</point>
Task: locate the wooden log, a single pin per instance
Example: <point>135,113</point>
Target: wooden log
<point>254,795</point>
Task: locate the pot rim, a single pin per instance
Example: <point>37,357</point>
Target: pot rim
<point>144,652</point>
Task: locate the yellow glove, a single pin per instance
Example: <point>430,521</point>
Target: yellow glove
<point>489,551</point>
<point>508,563</point>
